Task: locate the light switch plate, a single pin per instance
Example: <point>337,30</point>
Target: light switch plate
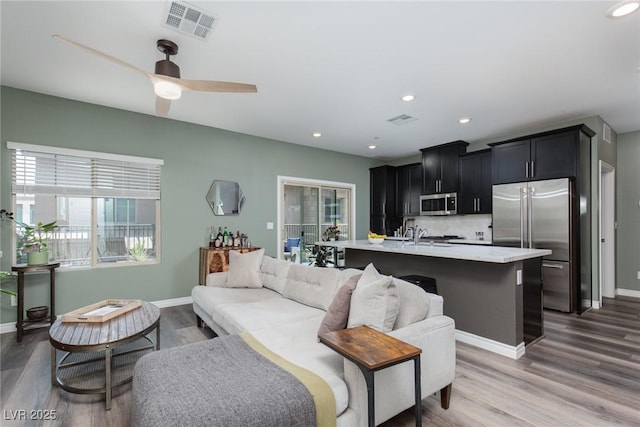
<point>269,226</point>
<point>14,301</point>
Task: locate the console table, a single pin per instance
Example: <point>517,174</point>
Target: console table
<point>372,351</point>
<point>25,325</point>
<point>215,260</point>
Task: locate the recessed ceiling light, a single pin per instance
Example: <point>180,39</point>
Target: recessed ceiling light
<point>372,147</point>
<point>317,134</point>
<point>464,120</point>
<point>408,98</point>
<point>623,8</point>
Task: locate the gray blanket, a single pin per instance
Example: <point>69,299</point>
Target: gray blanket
<point>218,382</point>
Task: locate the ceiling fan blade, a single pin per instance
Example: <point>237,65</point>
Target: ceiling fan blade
<point>162,106</point>
<point>214,86</point>
<point>100,54</point>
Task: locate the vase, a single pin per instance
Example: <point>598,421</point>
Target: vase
<point>38,258</point>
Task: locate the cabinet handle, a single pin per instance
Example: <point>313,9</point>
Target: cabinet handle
<point>533,173</point>
<point>526,169</point>
<point>478,204</point>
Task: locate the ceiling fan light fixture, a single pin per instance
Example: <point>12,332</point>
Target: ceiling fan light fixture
<point>167,90</point>
<point>623,8</point>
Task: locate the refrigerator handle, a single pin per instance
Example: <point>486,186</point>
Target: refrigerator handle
<point>523,194</point>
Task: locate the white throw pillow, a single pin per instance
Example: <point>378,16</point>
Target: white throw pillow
<point>244,269</point>
<point>374,302</point>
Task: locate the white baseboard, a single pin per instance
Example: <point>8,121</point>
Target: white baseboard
<point>11,327</point>
<point>628,293</point>
<point>513,352</point>
<point>173,302</point>
<point>595,304</point>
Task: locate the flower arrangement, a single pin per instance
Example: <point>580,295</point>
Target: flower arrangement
<point>332,232</point>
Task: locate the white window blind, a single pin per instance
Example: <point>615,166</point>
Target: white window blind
<point>53,170</point>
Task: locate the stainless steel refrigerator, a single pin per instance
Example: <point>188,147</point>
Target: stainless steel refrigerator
<point>540,214</point>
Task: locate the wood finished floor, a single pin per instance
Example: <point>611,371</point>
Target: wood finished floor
<point>585,372</point>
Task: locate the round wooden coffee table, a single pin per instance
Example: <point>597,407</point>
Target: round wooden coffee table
<point>100,356</point>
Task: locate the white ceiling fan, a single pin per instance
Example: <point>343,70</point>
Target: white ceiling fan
<point>166,80</point>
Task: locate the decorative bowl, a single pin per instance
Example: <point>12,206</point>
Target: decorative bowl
<point>37,313</point>
<point>376,240</point>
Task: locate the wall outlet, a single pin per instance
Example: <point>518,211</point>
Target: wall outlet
<point>269,226</point>
<point>14,301</point>
<point>638,275</point>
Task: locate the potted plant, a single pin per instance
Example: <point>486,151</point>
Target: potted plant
<point>34,241</point>
<point>33,238</point>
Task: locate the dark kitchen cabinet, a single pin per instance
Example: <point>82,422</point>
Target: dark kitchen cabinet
<point>542,156</point>
<point>474,195</point>
<point>383,218</point>
<point>440,167</point>
<point>409,189</point>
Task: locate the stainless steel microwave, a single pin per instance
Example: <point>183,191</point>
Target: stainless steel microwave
<point>439,204</point>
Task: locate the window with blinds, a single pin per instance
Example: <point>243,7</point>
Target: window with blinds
<point>107,206</point>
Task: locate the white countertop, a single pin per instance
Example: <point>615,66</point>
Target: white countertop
<point>495,254</point>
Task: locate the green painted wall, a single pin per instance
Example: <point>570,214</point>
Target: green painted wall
<point>628,211</point>
<point>194,156</point>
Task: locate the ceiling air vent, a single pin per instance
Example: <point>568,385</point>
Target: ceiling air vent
<point>402,119</point>
<point>606,133</point>
<point>189,19</point>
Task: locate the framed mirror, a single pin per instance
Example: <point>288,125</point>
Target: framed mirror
<point>225,198</point>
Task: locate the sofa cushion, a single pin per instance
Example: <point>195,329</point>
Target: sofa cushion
<point>338,311</point>
<point>297,343</point>
<point>313,286</point>
<point>374,301</point>
<point>244,269</point>
<point>208,298</point>
<point>269,314</point>
<point>274,273</point>
<point>413,301</point>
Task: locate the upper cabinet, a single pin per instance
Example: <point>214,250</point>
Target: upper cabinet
<point>440,167</point>
<point>474,196</point>
<point>543,156</point>
<point>409,189</point>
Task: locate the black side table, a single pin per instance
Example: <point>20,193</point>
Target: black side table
<point>24,325</point>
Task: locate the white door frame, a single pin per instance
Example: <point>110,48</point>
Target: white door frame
<point>607,235</point>
<point>282,180</point>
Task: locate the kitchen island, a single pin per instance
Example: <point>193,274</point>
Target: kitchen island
<point>493,293</point>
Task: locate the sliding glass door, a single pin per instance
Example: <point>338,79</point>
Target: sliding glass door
<point>308,208</point>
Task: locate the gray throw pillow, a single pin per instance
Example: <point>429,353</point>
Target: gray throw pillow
<point>338,311</point>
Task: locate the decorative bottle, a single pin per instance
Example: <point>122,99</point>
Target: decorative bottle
<point>212,237</point>
<point>225,237</point>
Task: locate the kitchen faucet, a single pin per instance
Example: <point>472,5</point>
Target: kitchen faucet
<point>418,233</point>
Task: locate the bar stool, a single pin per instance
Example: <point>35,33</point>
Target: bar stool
<point>426,283</point>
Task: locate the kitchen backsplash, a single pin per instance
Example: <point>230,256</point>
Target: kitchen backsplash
<point>465,226</point>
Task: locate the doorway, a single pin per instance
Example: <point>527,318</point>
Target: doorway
<point>309,208</point>
<point>607,207</point>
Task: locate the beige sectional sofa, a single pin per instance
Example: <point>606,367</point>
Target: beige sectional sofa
<point>283,305</point>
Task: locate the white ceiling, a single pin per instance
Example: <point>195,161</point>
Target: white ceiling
<point>340,68</point>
